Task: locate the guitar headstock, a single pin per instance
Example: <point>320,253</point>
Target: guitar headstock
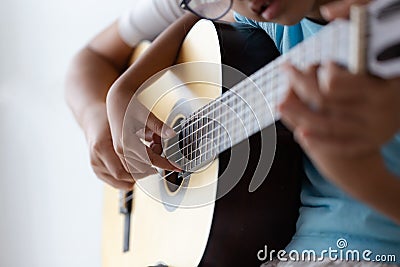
<point>383,46</point>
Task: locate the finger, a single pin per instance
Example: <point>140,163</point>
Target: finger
<point>142,135</point>
<point>144,118</point>
<point>327,145</point>
<point>158,127</point>
<point>114,166</point>
<point>148,135</point>
<point>289,123</point>
<point>156,138</point>
<point>138,176</point>
<point>356,111</point>
<point>157,148</point>
<point>137,165</point>
<point>161,162</point>
<point>136,152</point>
<point>123,185</point>
<point>340,9</point>
<point>102,173</point>
<point>305,84</point>
<point>300,116</point>
<point>151,122</point>
<point>338,84</point>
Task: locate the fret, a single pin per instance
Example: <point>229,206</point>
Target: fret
<point>274,93</point>
<point>207,137</point>
<point>229,122</point>
<point>218,122</point>
<point>245,112</point>
<point>236,101</point>
<point>253,122</point>
<point>197,140</point>
<point>220,133</point>
<point>187,142</point>
<point>193,132</point>
<point>214,128</point>
<point>250,121</point>
<point>200,139</point>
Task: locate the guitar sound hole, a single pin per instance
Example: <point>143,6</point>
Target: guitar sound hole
<point>173,181</point>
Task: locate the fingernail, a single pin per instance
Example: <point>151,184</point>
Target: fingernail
<point>168,132</point>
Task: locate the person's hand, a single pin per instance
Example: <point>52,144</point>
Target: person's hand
<point>350,114</point>
<point>131,124</point>
<point>105,162</point>
<point>340,9</point>
<point>341,121</point>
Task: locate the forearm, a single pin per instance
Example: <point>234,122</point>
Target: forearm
<point>93,71</point>
<point>160,55</point>
<point>88,82</point>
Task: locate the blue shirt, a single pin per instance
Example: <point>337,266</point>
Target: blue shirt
<point>329,218</point>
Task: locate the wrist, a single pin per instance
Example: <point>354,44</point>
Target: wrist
<point>91,115</point>
<point>117,101</point>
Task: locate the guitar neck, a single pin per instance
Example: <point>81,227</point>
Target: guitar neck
<point>269,86</point>
<point>252,104</point>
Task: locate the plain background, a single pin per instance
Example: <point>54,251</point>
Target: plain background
<point>50,201</point>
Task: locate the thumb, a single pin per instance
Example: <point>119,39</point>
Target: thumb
<point>340,9</point>
<point>158,127</point>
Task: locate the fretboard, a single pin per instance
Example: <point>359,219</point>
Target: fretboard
<point>252,104</point>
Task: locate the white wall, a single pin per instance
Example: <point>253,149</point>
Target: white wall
<point>50,202</point>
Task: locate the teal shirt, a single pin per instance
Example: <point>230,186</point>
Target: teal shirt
<point>328,214</point>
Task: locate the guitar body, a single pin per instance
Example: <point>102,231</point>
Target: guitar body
<point>231,230</point>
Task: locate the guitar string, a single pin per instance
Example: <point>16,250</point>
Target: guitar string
<point>327,30</point>
<point>223,97</point>
<point>272,76</point>
<point>240,125</point>
<point>329,53</point>
<point>244,113</point>
<point>254,78</point>
<point>226,143</point>
<point>262,73</point>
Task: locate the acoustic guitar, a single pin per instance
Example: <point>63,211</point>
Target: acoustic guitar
<point>224,208</point>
